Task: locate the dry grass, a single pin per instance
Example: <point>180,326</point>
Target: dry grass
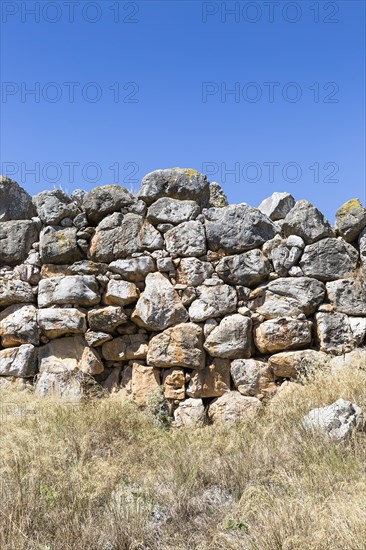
<point>102,476</point>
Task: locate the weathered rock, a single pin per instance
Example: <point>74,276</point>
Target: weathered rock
<point>59,245</point>
<point>174,384</point>
<point>307,222</point>
<point>356,359</point>
<point>19,362</point>
<point>277,206</point>
<point>218,198</point>
<point>62,384</point>
<point>106,319</point>
<point>284,333</point>
<point>231,339</point>
<point>120,293</point>
<point>192,271</point>
<point>81,290</point>
<point>212,301</point>
<point>291,364</point>
<point>118,236</point>
<point>237,228</point>
<point>15,292</point>
<point>96,339</point>
<point>348,296</point>
<point>212,381</point>
<point>145,382</point>
<point>252,377</point>
<point>189,414</point>
<point>15,203</point>
<point>177,183</point>
<point>334,333</point>
<point>168,210</point>
<point>159,306</point>
<point>104,200</point>
<point>358,328</point>
<point>336,421</point>
<point>126,348</point>
<point>179,346</point>
<point>16,239</point>
<point>362,248</point>
<point>18,325</point>
<point>56,322</point>
<point>69,354</point>
<point>246,269</point>
<point>329,259</point>
<point>350,220</point>
<point>186,239</point>
<point>232,407</point>
<point>134,269</point>
<point>53,206</point>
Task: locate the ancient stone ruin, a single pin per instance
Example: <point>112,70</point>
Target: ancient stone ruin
<point>176,291</point>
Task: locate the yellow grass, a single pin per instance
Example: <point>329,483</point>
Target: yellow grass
<point>104,476</point>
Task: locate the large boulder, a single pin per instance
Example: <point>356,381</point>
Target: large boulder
<point>212,381</point>
<point>218,198</point>
<point>350,220</point>
<point>54,322</point>
<point>336,421</point>
<point>120,293</point>
<point>329,259</point>
<point>69,354</point>
<point>252,377</point>
<point>213,301</point>
<point>334,333</point>
<point>145,382</point>
<point>237,228</point>
<point>231,339</point>
<point>174,384</point>
<point>58,245</point>
<point>186,239</point>
<point>174,211</point>
<point>307,222</point>
<point>355,359</point>
<point>348,296</point>
<point>179,346</point>
<point>15,203</point>
<point>159,306</point>
<point>362,248</point>
<point>15,292</point>
<point>19,362</point>
<point>126,348</point>
<point>64,384</point>
<point>291,364</point>
<point>53,206</point>
<point>232,407</point>
<point>16,240</point>
<point>192,271</point>
<point>177,183</point>
<point>277,206</point>
<point>118,236</point>
<point>189,414</point>
<point>104,200</point>
<point>249,268</point>
<point>106,319</point>
<point>284,333</point>
<point>18,325</point>
<point>81,290</point>
<point>134,269</point>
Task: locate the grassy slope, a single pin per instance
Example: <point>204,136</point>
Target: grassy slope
<point>103,476</point>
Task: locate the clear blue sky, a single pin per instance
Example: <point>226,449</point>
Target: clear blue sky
<point>159,72</point>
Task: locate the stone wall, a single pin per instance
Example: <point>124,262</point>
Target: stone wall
<point>216,304</point>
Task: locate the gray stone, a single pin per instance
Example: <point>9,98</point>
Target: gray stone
<point>348,296</point>
<point>20,362</point>
<point>15,292</point>
<point>159,306</point>
<point>178,346</point>
<point>189,413</point>
<point>120,293</point>
<point>177,183</point>
<point>232,407</point>
<point>133,269</point>
<point>126,348</point>
<point>362,248</point>
<point>248,269</point>
<point>186,239</point>
<point>292,364</point>
<point>79,290</point>
<point>18,325</point>
<point>218,198</point>
<point>307,222</point>
<point>105,200</point>
<point>59,245</point>
<point>16,240</point>
<point>192,271</point>
<point>174,211</point>
<point>336,421</point>
<point>231,339</point>
<point>329,259</point>
<point>252,377</point>
<point>64,385</point>
<point>237,228</point>
<point>118,236</point>
<point>15,203</point>
<point>53,206</point>
<point>106,319</point>
<point>350,220</point>
<point>213,301</point>
<point>277,206</point>
<point>334,333</point>
<point>69,354</point>
<point>284,333</point>
<point>56,322</point>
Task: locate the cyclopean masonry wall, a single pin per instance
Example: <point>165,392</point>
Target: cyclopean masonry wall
<point>216,304</point>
